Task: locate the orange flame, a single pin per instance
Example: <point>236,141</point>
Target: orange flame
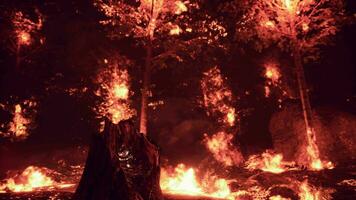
<point>23,27</point>
<point>218,97</point>
<point>31,179</point>
<point>115,91</point>
<point>308,193</point>
<point>220,145</point>
<point>272,73</point>
<point>180,7</point>
<point>269,162</point>
<point>313,153</point>
<point>18,126</point>
<point>183,180</point>
<point>24,38</point>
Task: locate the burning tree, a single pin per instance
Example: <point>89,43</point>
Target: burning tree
<point>141,20</point>
<point>299,27</point>
<point>24,30</point>
<point>159,26</point>
<point>114,82</point>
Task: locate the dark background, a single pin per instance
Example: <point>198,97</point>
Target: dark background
<point>74,42</point>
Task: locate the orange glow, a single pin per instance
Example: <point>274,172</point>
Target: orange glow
<point>269,162</point>
<point>183,180</point>
<point>175,30</point>
<point>121,91</point>
<point>180,181</point>
<point>32,179</point>
<point>220,145</point>
<point>291,5</point>
<point>24,27</point>
<point>308,193</point>
<point>18,126</point>
<point>218,97</point>
<point>180,7</point>
<point>313,153</point>
<point>272,73</point>
<point>269,24</point>
<point>305,27</point>
<point>115,92</point>
<point>24,38</point>
<point>278,197</point>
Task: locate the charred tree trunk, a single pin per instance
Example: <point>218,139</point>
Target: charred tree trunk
<point>146,88</point>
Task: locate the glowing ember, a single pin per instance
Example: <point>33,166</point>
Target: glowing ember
<point>180,7</point>
<point>218,97</point>
<point>183,180</point>
<point>31,179</point>
<point>220,145</point>
<point>115,91</point>
<point>269,162</point>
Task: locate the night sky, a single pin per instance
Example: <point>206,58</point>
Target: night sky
<point>75,41</point>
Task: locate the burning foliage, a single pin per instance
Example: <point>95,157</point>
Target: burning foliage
<point>23,113</point>
<point>115,93</point>
<point>217,97</point>
<point>24,27</point>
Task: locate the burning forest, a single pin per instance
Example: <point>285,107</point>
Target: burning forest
<point>175,99</point>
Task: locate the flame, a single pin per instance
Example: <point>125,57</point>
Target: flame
<point>273,76</point>
<point>269,24</point>
<point>115,92</point>
<point>180,181</point>
<point>183,180</point>
<point>176,30</point>
<point>24,27</point>
<point>308,193</point>
<point>305,27</point>
<point>313,153</point>
<point>220,145</point>
<point>291,5</point>
<point>24,38</point>
<point>218,97</point>
<point>180,7</point>
<point>272,73</point>
<point>19,123</point>
<point>31,179</point>
<point>268,162</point>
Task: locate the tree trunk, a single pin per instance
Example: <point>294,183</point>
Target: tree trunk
<point>303,91</point>
<point>146,88</point>
<point>312,148</point>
